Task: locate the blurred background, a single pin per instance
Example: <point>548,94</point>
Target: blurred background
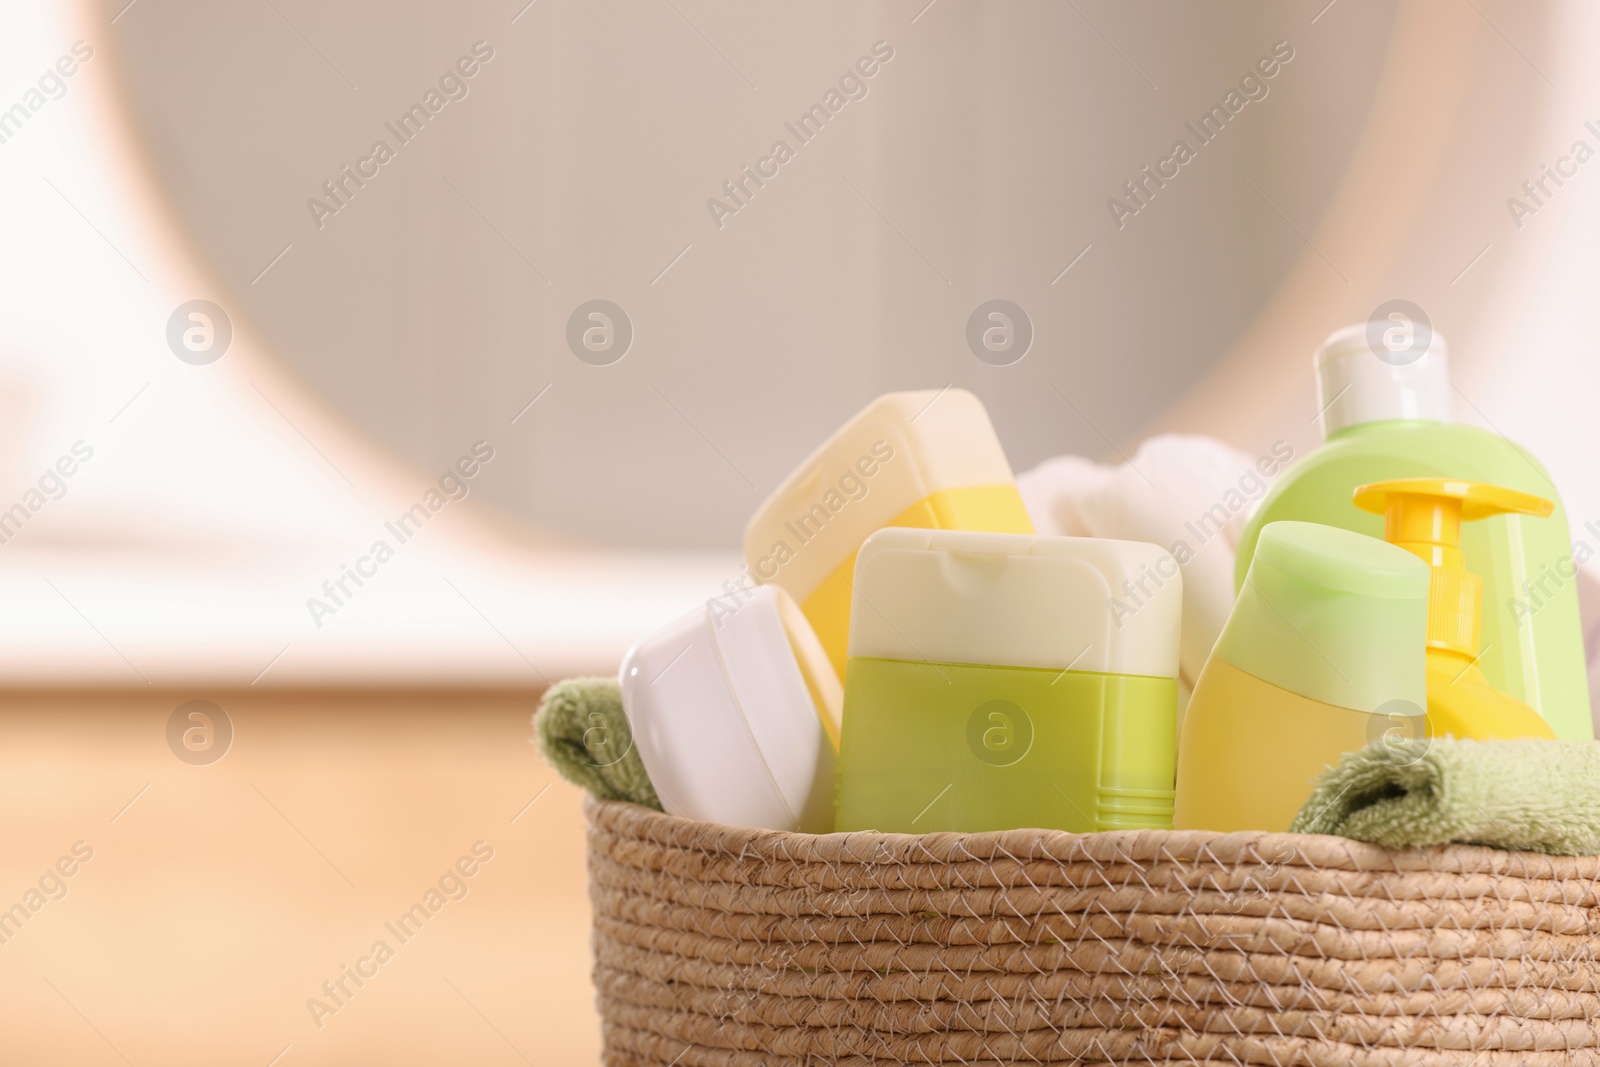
<point>369,318</point>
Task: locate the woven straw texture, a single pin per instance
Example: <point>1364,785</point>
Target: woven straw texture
<point>738,948</point>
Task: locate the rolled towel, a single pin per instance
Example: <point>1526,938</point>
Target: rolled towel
<point>1190,495</point>
<point>1527,795</point>
<point>584,734</point>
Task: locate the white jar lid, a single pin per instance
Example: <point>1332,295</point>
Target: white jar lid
<point>1376,371</point>
<point>735,711</point>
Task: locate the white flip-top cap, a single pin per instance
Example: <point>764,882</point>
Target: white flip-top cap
<point>1374,371</point>
<point>894,453</point>
<point>1017,600</point>
<point>735,713</point>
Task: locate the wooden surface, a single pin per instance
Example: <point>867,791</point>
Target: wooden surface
<point>222,897</point>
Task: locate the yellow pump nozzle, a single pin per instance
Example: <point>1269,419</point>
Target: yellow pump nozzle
<point>1424,517</point>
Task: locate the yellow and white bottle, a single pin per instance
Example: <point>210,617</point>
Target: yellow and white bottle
<point>922,459</point>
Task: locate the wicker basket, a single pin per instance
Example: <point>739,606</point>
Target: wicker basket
<point>727,947</point>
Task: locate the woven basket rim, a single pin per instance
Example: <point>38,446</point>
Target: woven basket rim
<point>1112,846</point>
<point>719,946</point>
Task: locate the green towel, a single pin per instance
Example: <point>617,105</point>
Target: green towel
<point>1529,795</point>
<point>582,731</point>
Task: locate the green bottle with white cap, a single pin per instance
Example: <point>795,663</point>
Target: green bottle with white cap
<point>998,681</point>
<point>1385,396</point>
<point>1323,654</point>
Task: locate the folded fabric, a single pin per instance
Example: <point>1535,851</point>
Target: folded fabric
<point>1187,494</point>
<point>584,734</point>
<point>1529,795</point>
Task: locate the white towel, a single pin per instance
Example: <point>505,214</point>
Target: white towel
<point>1191,495</point>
